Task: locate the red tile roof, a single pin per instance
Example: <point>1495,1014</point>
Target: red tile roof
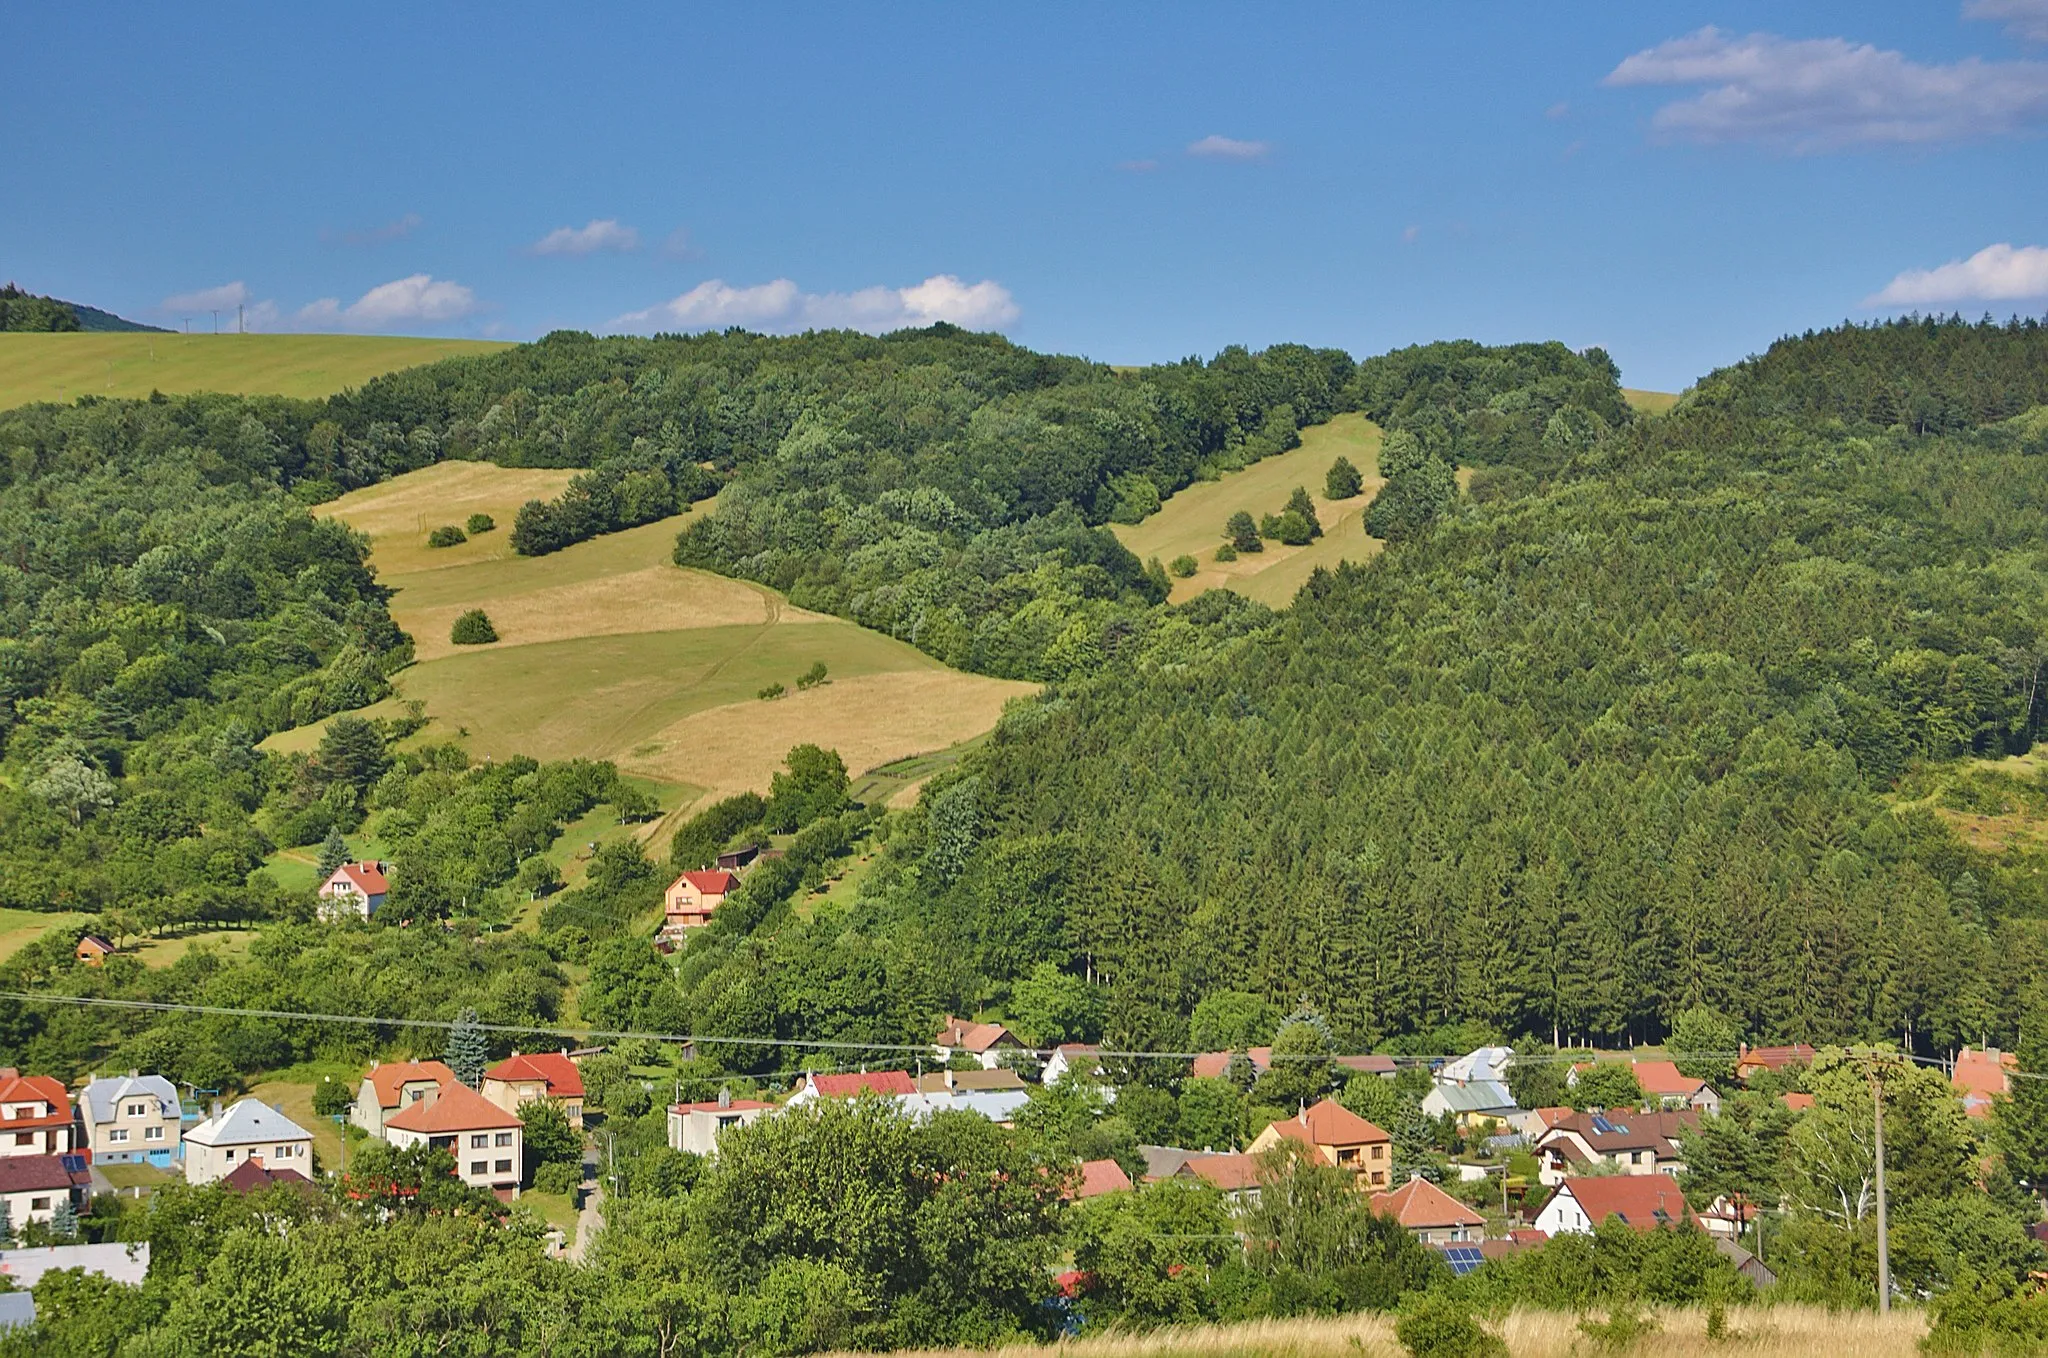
<point>563,1079</point>
<point>458,1108</point>
<point>714,1106</point>
<point>1211,1065</point>
<point>252,1177</point>
<point>28,1173</point>
<point>369,876</point>
<point>1776,1058</point>
<point>1798,1103</point>
<point>1644,1201</point>
<point>972,1037</point>
<point>1421,1205</point>
<point>1102,1176</point>
<point>1663,1079</point>
<point>1227,1172</point>
<point>863,1082</point>
<point>1373,1063</point>
<point>387,1078</point>
<point>710,881</point>
<point>1330,1123</point>
<point>46,1090</point>
<point>1983,1072</point>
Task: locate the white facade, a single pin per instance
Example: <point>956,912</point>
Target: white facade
<point>37,1202</point>
<point>251,1130</point>
<point>1563,1215</point>
<point>131,1119</point>
<point>694,1128</point>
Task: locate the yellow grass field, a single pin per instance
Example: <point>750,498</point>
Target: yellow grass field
<point>1192,521</point>
<point>65,367</point>
<point>19,928</point>
<point>1759,1332</point>
<point>609,651</point>
<point>1649,402</point>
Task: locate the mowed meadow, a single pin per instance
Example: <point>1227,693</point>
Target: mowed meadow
<point>63,367</point>
<point>607,650</point>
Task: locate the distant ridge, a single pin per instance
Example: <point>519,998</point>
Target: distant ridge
<point>21,311</point>
<point>92,318</point>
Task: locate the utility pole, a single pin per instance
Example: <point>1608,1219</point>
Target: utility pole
<point>1884,1244</point>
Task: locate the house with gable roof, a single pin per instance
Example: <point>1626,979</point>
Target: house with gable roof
<point>250,1130</point>
<point>355,889</point>
<point>889,1084</point>
<point>1643,1202</point>
<point>1627,1143</point>
<point>693,897</point>
<point>392,1085</point>
<point>32,1187</point>
<point>1982,1077</point>
<point>131,1119</point>
<point>1339,1137</point>
<point>35,1114</point>
<point>483,1138</point>
<point>1751,1062</point>
<point>537,1075</point>
<point>1431,1215</point>
<point>985,1042</point>
<point>1666,1086</point>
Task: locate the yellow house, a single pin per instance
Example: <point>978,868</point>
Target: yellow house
<point>543,1075</point>
<point>1341,1138</point>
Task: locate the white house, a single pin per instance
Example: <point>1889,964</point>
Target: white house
<point>483,1138</point>
<point>131,1119</point>
<point>251,1130</point>
<point>35,1114</point>
<point>392,1085</point>
<point>1641,1201</point>
<point>1484,1063</point>
<point>32,1186</point>
<point>354,889</point>
<point>694,1128</point>
<point>1472,1103</point>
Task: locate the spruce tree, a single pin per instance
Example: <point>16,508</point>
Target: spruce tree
<point>2021,1119</point>
<point>466,1053</point>
<point>6,1225</point>
<point>1299,503</point>
<point>64,1220</point>
<point>333,852</point>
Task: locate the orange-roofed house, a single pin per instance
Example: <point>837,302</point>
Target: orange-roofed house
<point>1642,1201</point>
<point>1099,1177</point>
<point>1216,1065</point>
<point>1666,1086</point>
<point>1754,1061</point>
<point>355,889</point>
<point>1235,1174</point>
<point>1797,1102</point>
<point>1431,1215</point>
<point>888,1084</point>
<point>483,1138</point>
<point>538,1075</point>
<point>1340,1137</point>
<point>1982,1076</point>
<point>985,1042</point>
<point>35,1114</point>
<point>692,898</point>
<point>392,1085</point>
<point>94,950</point>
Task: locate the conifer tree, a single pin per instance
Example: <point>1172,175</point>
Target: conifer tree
<point>333,852</point>
<point>64,1220</point>
<point>1299,503</point>
<point>2021,1126</point>
<point>466,1052</point>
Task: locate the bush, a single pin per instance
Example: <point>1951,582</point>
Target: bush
<point>1293,530</point>
<point>1243,533</point>
<point>473,629</point>
<point>1185,565</point>
<point>1439,1328</point>
<point>811,677</point>
<point>1343,480</point>
<point>447,535</point>
<point>771,693</point>
<point>558,1176</point>
<point>1226,553</point>
<point>481,523</point>
<point>332,1098</point>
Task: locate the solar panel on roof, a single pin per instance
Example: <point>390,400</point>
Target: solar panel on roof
<point>1462,1258</point>
<point>1601,1124</point>
<point>73,1164</point>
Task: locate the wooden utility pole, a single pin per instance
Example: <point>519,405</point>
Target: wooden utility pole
<point>1884,1243</point>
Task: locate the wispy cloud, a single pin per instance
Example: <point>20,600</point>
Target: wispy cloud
<point>375,235</point>
<point>596,235</point>
<point>782,306</point>
<point>418,297</point>
<point>1214,147</point>
<point>678,245</point>
<point>1824,94</point>
<point>1557,110</point>
<point>1411,234</point>
<point>2022,18</point>
<point>1997,273</point>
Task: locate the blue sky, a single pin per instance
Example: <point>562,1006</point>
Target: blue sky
<point>1677,182</point>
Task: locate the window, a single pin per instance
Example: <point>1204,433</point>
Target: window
<point>730,1120</point>
<point>504,1167</point>
<point>231,1157</point>
<point>117,1134</point>
<point>479,1141</point>
<point>284,1152</point>
<point>1379,1152</point>
<point>24,1138</point>
<point>479,1167</point>
<point>38,1204</point>
<point>138,1110</point>
<point>504,1138</point>
<point>153,1133</point>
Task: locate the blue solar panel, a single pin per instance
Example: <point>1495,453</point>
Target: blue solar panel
<point>1462,1258</point>
<point>73,1164</point>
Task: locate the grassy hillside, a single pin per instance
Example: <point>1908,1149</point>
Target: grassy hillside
<point>1650,402</point>
<point>62,367</point>
<point>608,651</point>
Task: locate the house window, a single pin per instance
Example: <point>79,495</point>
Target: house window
<point>24,1138</point>
<point>284,1152</point>
<point>479,1167</point>
<point>117,1134</point>
<point>504,1167</point>
<point>732,1120</point>
<point>38,1204</point>
<point>136,1110</point>
<point>1347,1154</point>
<point>231,1157</point>
<point>479,1140</point>
<point>504,1138</point>
<point>1379,1152</point>
<point>152,1133</point>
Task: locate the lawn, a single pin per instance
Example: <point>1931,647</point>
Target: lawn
<point>1192,521</point>
<point>400,513</point>
<point>19,928</point>
<point>557,1209</point>
<point>161,952</point>
<point>63,367</point>
<point>130,1177</point>
<point>294,1097</point>
<point>1649,402</point>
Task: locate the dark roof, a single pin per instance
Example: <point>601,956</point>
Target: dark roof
<point>251,1177</point>
<point>27,1173</point>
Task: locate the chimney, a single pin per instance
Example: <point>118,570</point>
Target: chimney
<point>215,1109</point>
<point>724,1096</point>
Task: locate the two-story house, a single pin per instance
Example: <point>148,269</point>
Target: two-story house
<point>35,1114</point>
<point>694,1128</point>
<point>985,1042</point>
<point>1627,1143</point>
<point>483,1138</point>
<point>131,1119</point>
<point>392,1085</point>
<point>693,897</point>
<point>355,889</point>
<point>250,1130</point>
<point>32,1186</point>
<point>1339,1137</point>
<point>1431,1215</point>
<point>538,1075</point>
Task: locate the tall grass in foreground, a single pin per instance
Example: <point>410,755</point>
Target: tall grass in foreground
<point>1752,1332</point>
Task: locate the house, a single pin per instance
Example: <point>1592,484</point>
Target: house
<point>539,1075</point>
<point>1534,1123</point>
<point>1665,1086</point>
<point>1431,1215</point>
<point>1642,1201</point>
<point>35,1114</point>
<point>694,1128</point>
<point>1001,1079</point>
<point>252,1177</point>
<point>1633,1144</point>
<point>1473,1103</point>
<point>251,1130</point>
<point>999,1106</point>
<point>483,1138</point>
<point>131,1119</point>
<point>1796,1102</point>
<point>1216,1065</point>
<point>1980,1077</point>
<point>1079,1057</point>
<point>392,1085</point>
<point>1486,1065</point>
<point>1751,1062</point>
<point>886,1083</point>
<point>31,1187</point>
<point>127,1264</point>
<point>693,896</point>
<point>355,889</point>
<point>1372,1063</point>
<point>93,950</point>
<point>1099,1177</point>
<point>1234,1174</point>
<point>1340,1137</point>
<point>985,1042</point>
<point>737,860</point>
<point>1163,1162</point>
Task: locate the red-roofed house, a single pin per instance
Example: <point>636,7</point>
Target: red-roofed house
<point>483,1138</point>
<point>1754,1061</point>
<point>1665,1085</point>
<point>355,889</point>
<point>887,1083</point>
<point>985,1042</point>
<point>1216,1065</point>
<point>694,1128</point>
<point>1372,1063</point>
<point>693,896</point>
<point>1431,1215</point>
<point>1340,1137</point>
<point>35,1114</point>
<point>31,1186</point>
<point>392,1085</point>
<point>1982,1076</point>
<point>539,1075</point>
<point>1797,1102</point>
<point>1629,1143</point>
<point>1643,1201</point>
<point>1099,1177</point>
<point>1235,1174</point>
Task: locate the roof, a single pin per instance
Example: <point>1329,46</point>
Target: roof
<point>1211,1065</point>
<point>1485,1063</point>
<point>1618,1131</point>
<point>1372,1063</point>
<point>98,941</point>
<point>1228,1172</point>
<point>973,1037</point>
<point>1102,1176</point>
<point>1776,1058</point>
<point>1330,1123</point>
<point>368,877</point>
<point>863,1082</point>
<point>1478,1096</point>
<point>1163,1162</point>
<point>17,1308</point>
<point>714,1106</point>
<point>98,1098</point>
<point>1550,1116</point>
<point>248,1122</point>
<point>252,1177</point>
<point>972,1081</point>
<point>457,1108</point>
<point>121,1263</point>
<point>1798,1103</point>
<point>1644,1201</point>
<point>710,881</point>
<point>1421,1205</point>
<point>997,1105</point>
<point>27,1173</point>
<point>1663,1079</point>
<point>563,1079</point>
<point>391,1076</point>
<point>1986,1072</point>
<point>46,1090</point>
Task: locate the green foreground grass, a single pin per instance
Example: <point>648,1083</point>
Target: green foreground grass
<point>67,366</point>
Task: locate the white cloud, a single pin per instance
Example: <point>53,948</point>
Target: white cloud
<point>1828,93</point>
<point>1410,235</point>
<point>782,306</point>
<point>605,234</point>
<point>1557,110</point>
<point>1997,273</point>
<point>1213,147</point>
<point>2023,18</point>
<point>418,297</point>
<point>209,299</point>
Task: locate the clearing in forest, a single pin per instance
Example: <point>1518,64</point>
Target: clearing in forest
<point>19,928</point>
<point>63,367</point>
<point>1649,402</point>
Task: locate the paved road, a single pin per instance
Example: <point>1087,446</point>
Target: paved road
<point>587,1220</point>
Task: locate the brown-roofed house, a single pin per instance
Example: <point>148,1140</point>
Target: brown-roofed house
<point>253,1176</point>
<point>1754,1061</point>
<point>355,889</point>
<point>1642,1201</point>
<point>1667,1087</point>
<point>1981,1077</point>
<point>1372,1063</point>
<point>537,1075</point>
<point>1340,1137</point>
<point>483,1138</point>
<point>1235,1174</point>
<point>94,950</point>
<point>31,1186</point>
<point>1633,1143</point>
<point>985,1042</point>
<point>392,1085</point>
<point>1099,1177</point>
<point>1431,1215</point>
<point>35,1115</point>
<point>692,898</point>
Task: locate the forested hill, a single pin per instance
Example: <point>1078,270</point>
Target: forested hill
<point>24,311</point>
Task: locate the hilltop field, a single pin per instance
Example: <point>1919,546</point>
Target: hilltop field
<point>608,651</point>
<point>63,367</point>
